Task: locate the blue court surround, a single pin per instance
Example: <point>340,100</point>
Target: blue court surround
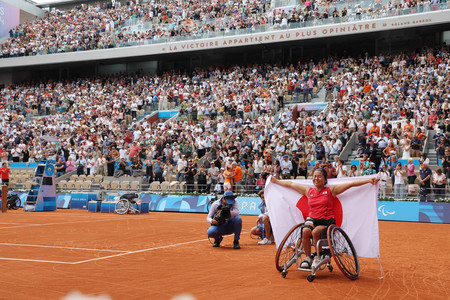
<point>409,211</point>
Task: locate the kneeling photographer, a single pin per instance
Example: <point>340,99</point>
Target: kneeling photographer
<point>224,218</point>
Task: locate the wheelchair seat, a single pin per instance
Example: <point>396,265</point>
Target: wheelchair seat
<point>132,197</point>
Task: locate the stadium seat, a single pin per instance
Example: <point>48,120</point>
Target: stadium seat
<point>164,186</point>
<point>80,180</point>
<point>70,185</point>
<point>12,180</point>
<point>155,186</point>
<point>97,179</point>
<point>174,186</point>
<point>134,185</point>
<point>77,185</point>
<point>21,179</point>
<point>124,185</point>
<point>412,189</point>
<point>114,185</point>
<point>106,184</point>
<point>62,184</point>
<point>181,187</point>
<point>86,185</point>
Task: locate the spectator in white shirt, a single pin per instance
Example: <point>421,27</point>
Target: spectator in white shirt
<point>286,167</point>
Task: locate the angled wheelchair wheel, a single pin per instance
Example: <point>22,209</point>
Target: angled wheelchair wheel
<point>18,203</point>
<point>343,252</point>
<point>15,204</point>
<point>287,251</point>
<point>122,207</point>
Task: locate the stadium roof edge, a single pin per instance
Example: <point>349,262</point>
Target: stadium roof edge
<point>277,36</point>
<point>26,6</point>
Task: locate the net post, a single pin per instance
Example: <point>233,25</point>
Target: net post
<point>4,198</point>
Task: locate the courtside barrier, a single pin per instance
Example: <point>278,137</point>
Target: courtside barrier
<point>409,211</point>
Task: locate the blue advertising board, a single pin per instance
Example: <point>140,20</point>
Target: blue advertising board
<point>398,211</point>
<point>408,211</point>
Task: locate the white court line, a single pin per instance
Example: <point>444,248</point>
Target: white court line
<point>105,257</point>
<point>138,251</point>
<point>60,223</point>
<point>145,250</point>
<point>152,215</point>
<point>37,260</point>
<point>103,219</point>
<point>61,247</point>
<point>68,214</point>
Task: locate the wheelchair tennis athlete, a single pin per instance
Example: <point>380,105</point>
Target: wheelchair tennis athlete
<point>321,210</point>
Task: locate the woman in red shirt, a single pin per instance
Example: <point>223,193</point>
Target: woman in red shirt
<point>4,172</point>
<point>321,210</point>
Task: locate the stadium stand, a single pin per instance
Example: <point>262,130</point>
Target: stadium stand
<point>102,26</point>
<point>240,115</point>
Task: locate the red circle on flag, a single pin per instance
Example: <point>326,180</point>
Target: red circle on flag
<point>302,205</point>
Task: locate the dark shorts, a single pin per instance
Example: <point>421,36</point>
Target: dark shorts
<point>320,222</point>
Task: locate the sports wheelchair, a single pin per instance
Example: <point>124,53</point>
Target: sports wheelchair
<point>125,203</point>
<point>336,243</point>
<point>13,202</point>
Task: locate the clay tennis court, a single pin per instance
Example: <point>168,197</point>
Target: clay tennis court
<point>160,255</point>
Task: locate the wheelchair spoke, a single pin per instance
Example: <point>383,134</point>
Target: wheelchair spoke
<point>122,206</point>
<point>343,252</point>
<point>287,252</point>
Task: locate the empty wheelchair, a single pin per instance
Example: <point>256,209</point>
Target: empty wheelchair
<point>125,204</point>
<point>13,202</point>
<point>335,244</point>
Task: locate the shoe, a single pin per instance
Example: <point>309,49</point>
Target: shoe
<point>236,244</point>
<point>217,241</point>
<point>265,241</point>
<point>315,263</point>
<point>306,263</point>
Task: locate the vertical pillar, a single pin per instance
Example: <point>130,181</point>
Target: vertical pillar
<point>4,198</point>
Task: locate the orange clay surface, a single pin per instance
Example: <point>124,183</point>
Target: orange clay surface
<point>45,255</point>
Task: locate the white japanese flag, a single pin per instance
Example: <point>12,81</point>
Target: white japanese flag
<point>355,212</point>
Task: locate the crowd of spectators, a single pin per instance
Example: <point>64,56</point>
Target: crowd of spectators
<point>392,102</point>
<point>92,117</point>
<point>234,129</point>
<point>100,26</point>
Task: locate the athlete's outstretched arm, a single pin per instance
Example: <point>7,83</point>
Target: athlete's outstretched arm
<point>340,188</point>
<point>302,189</point>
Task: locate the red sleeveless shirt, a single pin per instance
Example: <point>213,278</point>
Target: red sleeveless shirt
<point>320,203</point>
